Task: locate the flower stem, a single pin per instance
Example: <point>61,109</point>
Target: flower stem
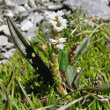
<point>56,75</point>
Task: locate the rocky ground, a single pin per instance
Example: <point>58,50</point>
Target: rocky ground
<point>28,14</point>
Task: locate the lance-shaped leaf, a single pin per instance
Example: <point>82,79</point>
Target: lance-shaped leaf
<point>28,52</point>
<point>104,87</point>
<point>82,48</point>
<point>70,75</point>
<point>63,60</point>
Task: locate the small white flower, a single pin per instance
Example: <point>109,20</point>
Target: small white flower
<point>60,46</point>
<point>62,40</point>
<point>58,43</point>
<point>52,15</point>
<point>57,21</point>
<point>53,41</point>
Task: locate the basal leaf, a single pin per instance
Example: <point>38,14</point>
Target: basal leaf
<point>70,75</point>
<point>82,48</point>
<point>63,60</point>
<point>100,88</point>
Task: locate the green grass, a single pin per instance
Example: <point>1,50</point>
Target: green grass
<point>94,63</point>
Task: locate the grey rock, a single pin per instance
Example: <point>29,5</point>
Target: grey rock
<point>55,7</point>
<point>57,0</point>
<point>32,3</point>
<point>93,7</point>
<point>9,53</point>
<point>9,3</point>
<point>4,61</point>
<point>30,17</point>
<point>37,18</point>
<point>3,49</point>
<point>9,45</point>
<point>9,13</point>
<point>19,2</point>
<point>30,35</point>
<point>5,29</point>
<point>19,9</point>
<point>45,1</point>
<point>3,40</point>
<point>52,6</point>
<point>27,6</point>
<point>26,25</point>
<point>1,19</point>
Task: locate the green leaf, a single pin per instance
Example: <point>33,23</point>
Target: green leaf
<point>63,60</point>
<point>100,88</point>
<point>70,75</point>
<point>82,48</point>
<point>67,33</point>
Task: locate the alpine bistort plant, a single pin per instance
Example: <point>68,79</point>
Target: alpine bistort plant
<point>56,53</point>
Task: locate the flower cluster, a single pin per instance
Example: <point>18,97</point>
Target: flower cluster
<point>57,21</point>
<point>58,43</point>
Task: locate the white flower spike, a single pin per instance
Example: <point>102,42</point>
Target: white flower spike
<point>58,43</point>
<point>53,41</point>
<point>60,46</point>
<point>62,40</point>
<point>57,21</point>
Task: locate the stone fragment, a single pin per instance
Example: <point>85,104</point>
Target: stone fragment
<point>3,49</point>
<point>32,3</point>
<point>9,3</point>
<point>9,13</point>
<point>98,8</point>
<point>9,45</point>
<point>26,25</point>
<point>55,7</point>
<point>3,40</point>
<point>19,2</point>
<point>4,29</point>
<point>19,9</point>
<point>37,18</point>
<point>30,35</point>
<point>4,61</point>
<point>9,53</point>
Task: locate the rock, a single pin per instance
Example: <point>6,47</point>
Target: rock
<point>52,6</point>
<point>9,45</point>
<point>3,49</point>
<point>9,53</point>
<point>27,6</point>
<point>55,7</point>
<point>37,18</point>
<point>19,2</point>
<point>9,13</point>
<point>57,0</point>
<point>3,40</point>
<point>9,3</point>
<point>98,8</point>
<point>32,3</point>
<point>45,1</point>
<point>4,29</point>
<point>4,61</point>
<point>19,9</point>
<point>1,20</point>
<point>26,25</point>
<point>30,35</point>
